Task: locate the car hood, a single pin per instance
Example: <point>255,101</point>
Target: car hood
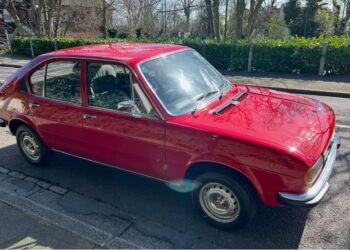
<point>299,126</point>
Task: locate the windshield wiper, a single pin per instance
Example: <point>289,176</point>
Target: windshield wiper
<point>202,97</point>
<point>205,95</point>
<point>221,88</point>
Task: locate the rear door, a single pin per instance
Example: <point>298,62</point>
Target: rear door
<point>56,104</point>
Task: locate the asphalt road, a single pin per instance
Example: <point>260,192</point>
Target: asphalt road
<point>325,226</point>
<point>6,71</point>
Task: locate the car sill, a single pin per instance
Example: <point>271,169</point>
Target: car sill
<point>111,166</point>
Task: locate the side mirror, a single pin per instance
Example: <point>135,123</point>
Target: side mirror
<point>125,105</point>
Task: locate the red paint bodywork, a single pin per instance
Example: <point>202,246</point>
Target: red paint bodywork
<point>272,138</point>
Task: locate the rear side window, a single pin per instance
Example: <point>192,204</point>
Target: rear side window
<point>58,80</point>
<point>37,81</point>
<point>63,81</point>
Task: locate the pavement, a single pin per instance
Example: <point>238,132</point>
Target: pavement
<point>20,230</point>
<point>7,60</point>
<point>337,86</point>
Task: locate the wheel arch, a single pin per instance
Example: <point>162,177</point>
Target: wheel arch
<point>18,121</point>
<point>199,168</point>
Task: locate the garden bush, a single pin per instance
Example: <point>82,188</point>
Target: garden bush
<point>287,55</point>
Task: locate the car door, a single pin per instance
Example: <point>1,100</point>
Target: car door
<point>121,127</point>
<point>56,104</point>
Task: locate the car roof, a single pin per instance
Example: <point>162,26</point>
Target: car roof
<point>131,53</point>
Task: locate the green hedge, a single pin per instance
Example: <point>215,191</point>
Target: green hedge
<point>287,55</point>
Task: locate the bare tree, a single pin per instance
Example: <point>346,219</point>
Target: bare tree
<point>47,17</point>
<point>187,5</point>
<point>210,18</point>
<point>345,17</point>
<point>216,17</point>
<point>340,20</point>
<point>49,8</point>
<point>239,13</point>
<point>58,18</point>
<point>105,7</point>
<point>104,18</point>
<point>138,12</point>
<point>10,7</point>
<point>270,4</point>
<point>255,6</point>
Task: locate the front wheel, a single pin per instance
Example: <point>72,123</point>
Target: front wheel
<point>31,146</point>
<point>224,201</point>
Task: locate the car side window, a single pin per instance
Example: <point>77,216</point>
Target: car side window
<point>37,81</point>
<point>113,87</point>
<point>58,80</point>
<point>62,81</point>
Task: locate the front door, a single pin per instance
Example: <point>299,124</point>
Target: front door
<point>120,126</point>
<point>56,104</point>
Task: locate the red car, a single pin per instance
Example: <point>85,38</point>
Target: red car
<point>164,112</point>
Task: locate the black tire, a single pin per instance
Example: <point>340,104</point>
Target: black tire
<point>240,192</point>
<point>43,153</point>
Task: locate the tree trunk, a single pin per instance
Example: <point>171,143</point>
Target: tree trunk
<point>104,18</point>
<point>216,17</point>
<point>240,7</point>
<point>210,19</point>
<point>58,18</point>
<point>346,18</point>
<point>255,7</point>
<point>38,18</point>
<point>186,5</point>
<point>48,7</point>
<point>188,22</point>
<point>8,4</point>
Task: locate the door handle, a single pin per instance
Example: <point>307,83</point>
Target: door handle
<point>34,105</point>
<point>87,116</point>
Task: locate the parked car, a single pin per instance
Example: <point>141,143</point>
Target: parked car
<point>164,112</point>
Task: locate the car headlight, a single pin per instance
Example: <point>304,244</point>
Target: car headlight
<point>312,174</point>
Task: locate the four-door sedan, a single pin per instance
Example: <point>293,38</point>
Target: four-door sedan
<point>164,112</point>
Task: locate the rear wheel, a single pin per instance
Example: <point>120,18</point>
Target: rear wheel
<point>31,146</point>
<point>225,201</point>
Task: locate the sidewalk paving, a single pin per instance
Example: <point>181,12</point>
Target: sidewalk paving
<point>96,221</point>
<point>338,86</point>
<point>7,60</point>
<point>21,231</point>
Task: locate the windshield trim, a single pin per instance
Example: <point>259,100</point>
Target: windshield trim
<point>203,104</point>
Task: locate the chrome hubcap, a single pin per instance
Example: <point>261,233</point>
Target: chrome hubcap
<point>219,202</point>
<point>30,147</point>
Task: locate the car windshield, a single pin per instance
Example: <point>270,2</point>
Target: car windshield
<point>183,81</point>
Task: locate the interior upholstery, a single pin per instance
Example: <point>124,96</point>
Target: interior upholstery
<point>65,88</point>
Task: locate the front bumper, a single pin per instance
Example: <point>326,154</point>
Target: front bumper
<point>319,188</point>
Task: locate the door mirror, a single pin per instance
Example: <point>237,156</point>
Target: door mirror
<point>125,105</point>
